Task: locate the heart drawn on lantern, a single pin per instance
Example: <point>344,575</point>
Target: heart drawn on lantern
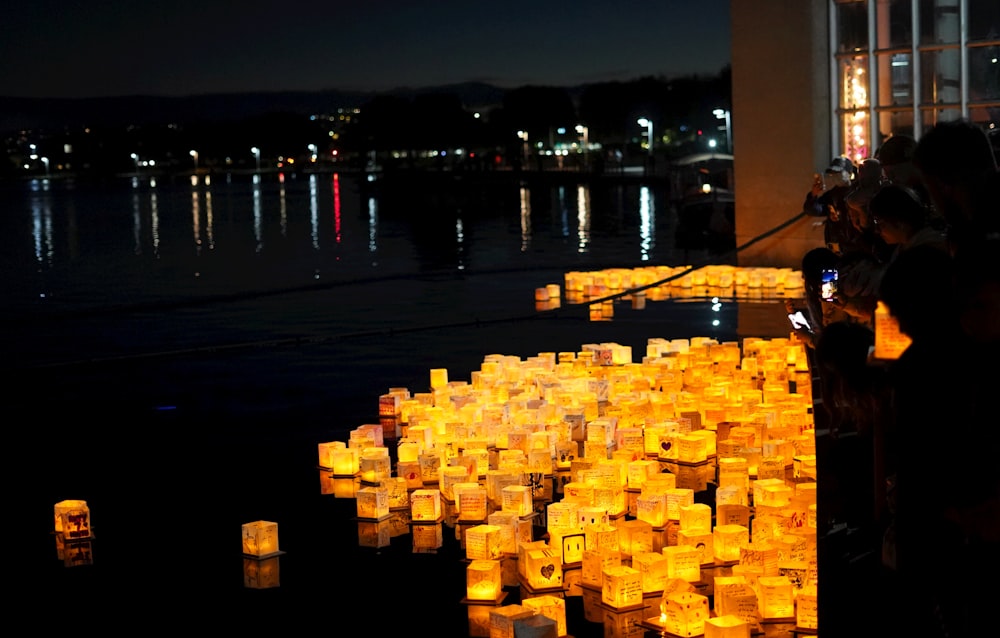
<point>666,445</point>
<point>548,570</point>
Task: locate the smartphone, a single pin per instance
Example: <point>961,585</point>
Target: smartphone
<point>828,284</point>
<point>799,321</point>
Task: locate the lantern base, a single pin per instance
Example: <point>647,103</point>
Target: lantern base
<point>437,521</point>
<point>372,519</point>
<point>558,590</point>
<point>804,631</point>
<point>264,556</point>
<point>492,603</point>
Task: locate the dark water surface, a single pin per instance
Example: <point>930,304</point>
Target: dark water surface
<point>176,352</point>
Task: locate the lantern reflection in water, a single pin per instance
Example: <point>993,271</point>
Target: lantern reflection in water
<point>261,574</point>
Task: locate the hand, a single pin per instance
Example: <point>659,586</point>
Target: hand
<point>817,186</point>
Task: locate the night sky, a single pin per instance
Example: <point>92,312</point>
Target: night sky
<point>62,48</point>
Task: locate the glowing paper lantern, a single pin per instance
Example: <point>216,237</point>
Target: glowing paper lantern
<point>325,451</point>
<point>482,580</point>
<point>806,608</point>
<point>622,587</point>
<point>634,537</point>
<point>72,519</point>
<point>653,567</point>
<point>517,499</point>
<point>372,503</point>
<point>345,461</point>
<point>553,607</point>
<point>652,508</point>
<point>776,598</point>
<point>684,562</point>
<point>594,564</point>
<point>700,539</point>
<point>470,498</point>
<point>502,620</point>
<point>684,614</point>
<point>543,568</point>
<point>425,506</point>
<point>483,542</point>
<point>727,541</point>
<point>260,539</point>
<point>727,627</point>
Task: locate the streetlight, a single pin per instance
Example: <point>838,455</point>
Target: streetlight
<point>648,125</point>
<point>723,114</point>
<point>584,133</point>
<point>313,149</point>
<point>523,135</point>
<point>45,161</point>
<point>194,154</point>
<point>256,154</point>
<point>135,158</point>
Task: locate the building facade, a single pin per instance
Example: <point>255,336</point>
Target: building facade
<point>813,79</point>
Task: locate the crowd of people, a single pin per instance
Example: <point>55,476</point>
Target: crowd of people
<point>910,490</point>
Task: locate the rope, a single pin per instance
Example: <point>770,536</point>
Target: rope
<point>390,332</point>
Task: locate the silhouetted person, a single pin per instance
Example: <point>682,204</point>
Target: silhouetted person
<point>957,167</point>
<point>928,443</point>
<point>828,198</point>
<point>902,220</point>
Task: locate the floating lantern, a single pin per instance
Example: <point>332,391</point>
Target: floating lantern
<point>482,581</point>
<point>676,499</point>
<point>621,587</point>
<point>639,472</point>
<point>653,568</point>
<point>696,516</point>
<point>372,503</point>
<point>425,506</point>
<point>684,614</point>
<point>470,498</point>
<point>700,539</point>
<point>594,564</point>
<point>502,620</point>
<point>570,542</point>
<point>806,608</point>
<point>375,464</point>
<point>72,519</point>
<point>410,472</point>
<point>325,451</point>
<point>727,541</point>
<point>776,598</point>
<point>543,568</point>
<point>684,562</point>
<point>552,607</point>
<point>483,542</point>
<point>260,539</point>
<point>652,508</point>
<point>449,475</point>
<point>728,626</point>
<point>517,499</point>
<point>397,493</point>
<point>345,461</point>
<point>634,537</point>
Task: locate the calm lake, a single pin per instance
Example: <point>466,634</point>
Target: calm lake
<point>177,348</point>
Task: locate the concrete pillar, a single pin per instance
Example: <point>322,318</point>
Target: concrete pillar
<point>781,121</point>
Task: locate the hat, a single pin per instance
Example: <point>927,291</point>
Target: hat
<point>896,150</point>
<point>841,164</point>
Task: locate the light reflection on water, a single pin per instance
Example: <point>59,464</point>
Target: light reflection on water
<point>204,239</point>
